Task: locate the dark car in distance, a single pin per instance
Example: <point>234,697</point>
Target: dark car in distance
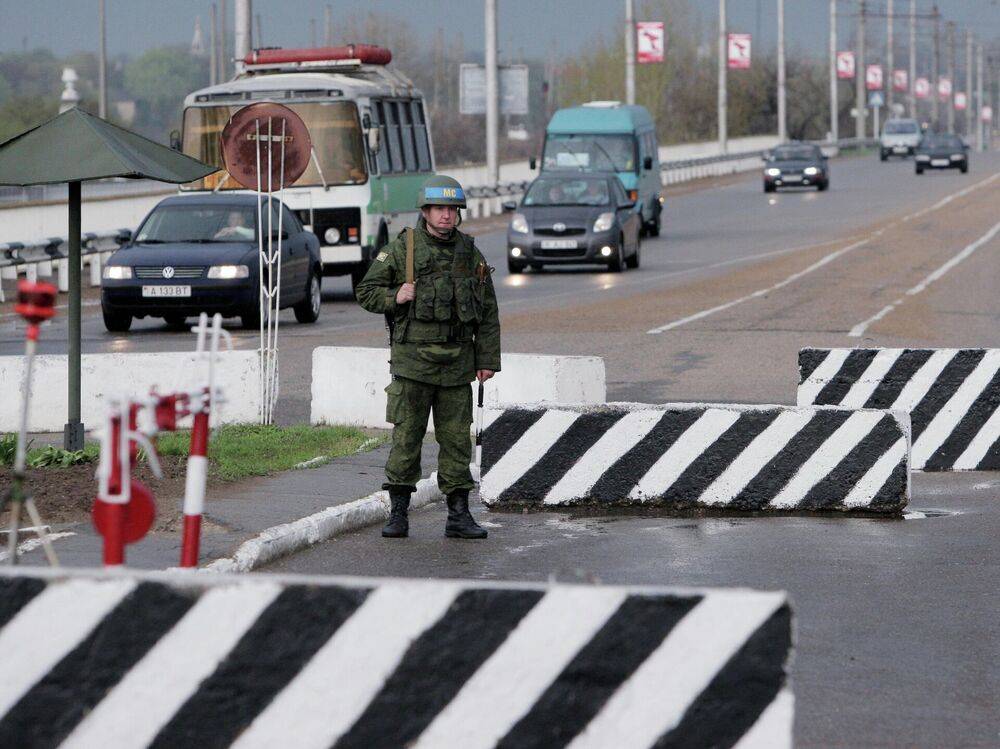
<point>796,165</point>
<point>942,151</point>
<point>198,253</point>
<point>574,218</point>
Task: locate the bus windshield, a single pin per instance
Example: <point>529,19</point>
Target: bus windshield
<point>333,127</point>
<point>612,153</point>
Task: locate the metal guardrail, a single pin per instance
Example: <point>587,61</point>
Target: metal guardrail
<point>51,256</point>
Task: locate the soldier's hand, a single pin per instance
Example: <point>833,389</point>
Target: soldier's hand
<point>406,293</point>
<point>484,374</point>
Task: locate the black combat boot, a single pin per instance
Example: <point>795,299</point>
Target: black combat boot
<point>460,523</point>
<point>398,525</point>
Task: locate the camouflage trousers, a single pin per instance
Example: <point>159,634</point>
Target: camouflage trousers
<point>410,403</point>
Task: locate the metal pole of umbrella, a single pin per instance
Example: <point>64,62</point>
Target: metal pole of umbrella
<point>73,431</point>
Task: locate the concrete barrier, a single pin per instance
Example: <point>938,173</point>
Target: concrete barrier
<point>952,396</point>
<point>685,456</point>
<point>348,384</point>
<point>217,660</point>
<point>123,375</point>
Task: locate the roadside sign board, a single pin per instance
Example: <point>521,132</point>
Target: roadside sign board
<point>873,77</point>
<point>650,41</point>
<point>900,80</point>
<point>513,82</point>
<point>875,99</point>
<point>944,88</point>
<point>960,100</point>
<point>922,88</point>
<point>987,114</point>
<point>845,64</point>
<point>739,51</point>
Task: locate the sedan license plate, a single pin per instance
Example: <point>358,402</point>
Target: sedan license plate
<point>166,291</point>
<point>940,162</point>
<point>900,149</point>
<point>792,177</point>
<point>559,244</point>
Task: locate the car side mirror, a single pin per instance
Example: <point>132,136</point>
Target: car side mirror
<point>647,163</point>
<point>374,140</point>
<point>532,163</point>
<point>175,140</point>
<point>123,237</point>
<point>509,205</point>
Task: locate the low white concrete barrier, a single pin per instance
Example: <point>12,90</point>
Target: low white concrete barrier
<point>348,383</point>
<point>126,375</point>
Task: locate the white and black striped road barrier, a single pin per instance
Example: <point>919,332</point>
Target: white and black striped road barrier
<point>686,456</point>
<point>160,660</point>
<point>952,396</point>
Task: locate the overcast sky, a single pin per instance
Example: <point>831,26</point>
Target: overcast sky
<point>534,26</point>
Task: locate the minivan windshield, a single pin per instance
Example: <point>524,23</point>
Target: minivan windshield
<point>199,223</point>
<point>901,127</point>
<point>611,153</point>
<point>567,192</point>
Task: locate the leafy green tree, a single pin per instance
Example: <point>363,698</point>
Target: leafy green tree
<point>19,113</point>
<point>158,81</point>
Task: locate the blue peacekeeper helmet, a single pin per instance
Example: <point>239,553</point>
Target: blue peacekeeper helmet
<point>441,190</point>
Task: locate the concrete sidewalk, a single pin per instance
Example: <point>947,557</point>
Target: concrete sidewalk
<point>239,511</point>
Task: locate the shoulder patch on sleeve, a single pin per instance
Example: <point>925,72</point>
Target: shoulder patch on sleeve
<point>382,256</point>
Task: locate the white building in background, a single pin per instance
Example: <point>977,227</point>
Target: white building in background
<point>198,39</point>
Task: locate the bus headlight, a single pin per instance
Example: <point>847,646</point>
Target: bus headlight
<point>228,272</point>
<point>519,224</point>
<point>117,272</point>
<point>604,222</point>
<point>331,235</point>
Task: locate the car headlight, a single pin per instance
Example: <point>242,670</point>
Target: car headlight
<point>331,235</point>
<point>810,170</point>
<point>923,157</point>
<point>773,172</point>
<point>519,223</point>
<point>117,272</point>
<point>229,271</point>
<point>957,156</point>
<point>604,222</point>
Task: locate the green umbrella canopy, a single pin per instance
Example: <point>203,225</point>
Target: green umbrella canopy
<point>75,146</point>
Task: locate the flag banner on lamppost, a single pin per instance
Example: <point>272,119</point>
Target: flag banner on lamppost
<point>987,114</point>
<point>960,100</point>
<point>845,64</point>
<point>873,77</point>
<point>921,88</point>
<point>900,81</point>
<point>739,51</point>
<point>944,88</point>
<point>650,41</point>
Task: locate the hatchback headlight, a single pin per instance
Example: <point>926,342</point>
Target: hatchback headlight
<point>117,272</point>
<point>810,170</point>
<point>519,223</point>
<point>229,271</point>
<point>773,172</point>
<point>604,222</point>
<point>957,156</point>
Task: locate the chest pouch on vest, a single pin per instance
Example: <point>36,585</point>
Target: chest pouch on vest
<point>423,302</point>
<point>444,295</point>
<point>469,295</point>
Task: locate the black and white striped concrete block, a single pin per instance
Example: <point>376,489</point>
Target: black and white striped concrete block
<point>155,660</point>
<point>952,396</point>
<point>684,456</point>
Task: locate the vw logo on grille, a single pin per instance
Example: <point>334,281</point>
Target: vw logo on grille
<point>168,272</point>
<point>559,227</point>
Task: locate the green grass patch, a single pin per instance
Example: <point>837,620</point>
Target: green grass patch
<point>50,456</point>
<point>240,450</point>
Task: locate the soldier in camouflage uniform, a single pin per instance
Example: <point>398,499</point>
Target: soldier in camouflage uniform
<point>445,331</point>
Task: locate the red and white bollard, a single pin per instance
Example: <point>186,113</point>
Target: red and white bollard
<point>194,485</point>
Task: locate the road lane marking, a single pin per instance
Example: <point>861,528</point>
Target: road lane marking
<point>859,329</point>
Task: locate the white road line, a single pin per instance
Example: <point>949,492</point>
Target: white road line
<point>861,493</point>
<point>170,673</point>
<point>749,463</point>
<point>945,420</point>
<point>980,445</point>
<point>524,453</point>
<point>859,329</point>
<point>871,378</point>
<point>773,729</point>
<point>653,700</point>
<point>833,450</point>
<point>506,686</point>
<point>613,444</point>
<point>815,382</point>
<point>692,443</point>
<point>333,689</point>
<point>918,386</point>
<point>34,543</point>
<point>48,627</point>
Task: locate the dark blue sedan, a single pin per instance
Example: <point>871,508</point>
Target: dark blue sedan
<point>198,253</point>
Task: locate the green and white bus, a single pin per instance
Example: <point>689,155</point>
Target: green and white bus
<point>372,146</point>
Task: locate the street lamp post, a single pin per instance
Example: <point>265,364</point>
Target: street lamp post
<point>723,135</point>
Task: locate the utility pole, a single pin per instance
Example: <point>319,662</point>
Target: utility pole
<point>936,72</point>
<point>629,52</point>
<point>782,109</point>
<point>328,26</point>
<point>889,58</point>
<point>968,85</point>
<point>242,33</point>
<point>950,102</point>
<point>260,34</point>
<point>723,135</point>
<point>223,43</point>
<point>102,64</point>
<point>492,90</point>
<point>860,105</point>
<point>913,58</point>
<point>834,105</point>
<point>980,137</point>
<point>213,58</point>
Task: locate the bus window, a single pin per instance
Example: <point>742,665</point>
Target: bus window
<point>393,144</point>
<point>420,135</point>
<point>406,131</point>
<point>383,151</point>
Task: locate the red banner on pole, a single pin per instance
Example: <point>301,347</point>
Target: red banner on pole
<point>873,77</point>
<point>922,88</point>
<point>944,88</point>
<point>650,41</point>
<point>961,101</point>
<point>845,64</point>
<point>900,81</point>
<point>739,51</point>
<point>987,114</point>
